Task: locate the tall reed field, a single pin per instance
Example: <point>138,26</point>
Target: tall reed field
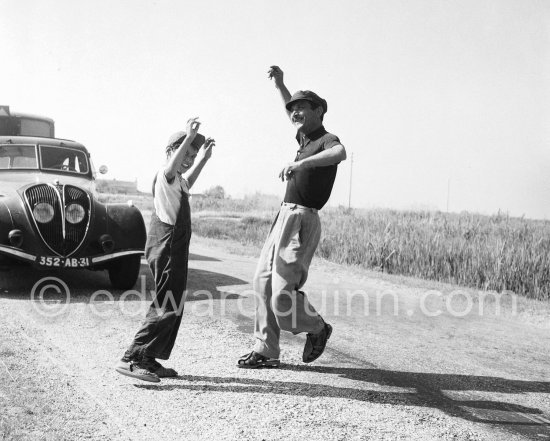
<point>486,252</point>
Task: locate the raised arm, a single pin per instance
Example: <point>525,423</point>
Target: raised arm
<point>277,75</point>
<point>177,157</point>
<point>205,153</point>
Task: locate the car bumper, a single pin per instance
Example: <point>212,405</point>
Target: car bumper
<point>94,260</point>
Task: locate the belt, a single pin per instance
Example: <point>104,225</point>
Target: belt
<point>298,207</point>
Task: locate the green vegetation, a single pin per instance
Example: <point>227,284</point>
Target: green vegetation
<point>250,203</point>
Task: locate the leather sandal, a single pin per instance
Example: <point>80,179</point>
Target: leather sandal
<point>253,360</point>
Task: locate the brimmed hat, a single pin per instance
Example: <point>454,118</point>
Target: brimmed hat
<point>177,138</point>
<point>307,95</point>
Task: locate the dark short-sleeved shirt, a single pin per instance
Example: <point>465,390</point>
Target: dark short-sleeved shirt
<point>311,187</point>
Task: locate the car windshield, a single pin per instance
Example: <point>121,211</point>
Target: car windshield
<point>51,157</point>
<point>65,159</point>
<point>18,156</point>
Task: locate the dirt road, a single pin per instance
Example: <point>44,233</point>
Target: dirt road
<point>407,360</point>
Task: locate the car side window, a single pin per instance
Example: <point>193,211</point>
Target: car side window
<point>64,159</point>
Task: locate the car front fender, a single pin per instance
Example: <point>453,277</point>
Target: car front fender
<point>126,226</point>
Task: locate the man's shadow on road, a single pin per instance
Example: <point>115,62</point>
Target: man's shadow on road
<point>425,390</point>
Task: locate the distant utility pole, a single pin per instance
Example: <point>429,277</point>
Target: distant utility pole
<point>350,176</point>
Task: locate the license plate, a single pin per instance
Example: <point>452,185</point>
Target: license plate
<point>63,262</point>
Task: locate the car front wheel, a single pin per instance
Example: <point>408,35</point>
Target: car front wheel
<point>124,272</point>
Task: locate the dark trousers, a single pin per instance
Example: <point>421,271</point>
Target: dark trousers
<point>167,252</point>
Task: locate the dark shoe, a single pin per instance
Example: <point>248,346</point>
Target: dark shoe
<point>158,369</point>
<point>253,360</point>
<point>316,343</point>
<point>134,370</point>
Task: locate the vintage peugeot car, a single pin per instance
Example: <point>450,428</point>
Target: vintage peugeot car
<point>50,216</point>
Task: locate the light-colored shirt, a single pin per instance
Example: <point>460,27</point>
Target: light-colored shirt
<point>168,196</point>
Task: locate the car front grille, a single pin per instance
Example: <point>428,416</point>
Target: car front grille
<point>60,235</point>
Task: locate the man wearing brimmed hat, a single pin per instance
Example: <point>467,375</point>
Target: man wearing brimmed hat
<point>287,253</point>
<point>167,253</point>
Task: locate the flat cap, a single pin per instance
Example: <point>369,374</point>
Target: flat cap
<point>177,138</point>
<point>307,95</point>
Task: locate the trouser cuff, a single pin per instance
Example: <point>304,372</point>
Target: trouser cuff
<point>262,349</point>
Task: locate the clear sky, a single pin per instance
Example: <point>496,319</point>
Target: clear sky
<point>440,101</point>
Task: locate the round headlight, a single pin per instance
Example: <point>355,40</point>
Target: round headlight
<point>74,213</point>
<point>43,212</point>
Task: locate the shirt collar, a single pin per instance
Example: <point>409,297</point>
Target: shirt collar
<point>311,136</point>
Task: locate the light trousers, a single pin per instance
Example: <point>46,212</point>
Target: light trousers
<point>282,270</point>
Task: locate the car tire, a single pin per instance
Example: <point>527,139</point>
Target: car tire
<point>124,272</point>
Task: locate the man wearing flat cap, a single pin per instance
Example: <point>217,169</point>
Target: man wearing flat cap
<point>287,253</point>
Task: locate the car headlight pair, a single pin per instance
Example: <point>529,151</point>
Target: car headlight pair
<point>44,213</point>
